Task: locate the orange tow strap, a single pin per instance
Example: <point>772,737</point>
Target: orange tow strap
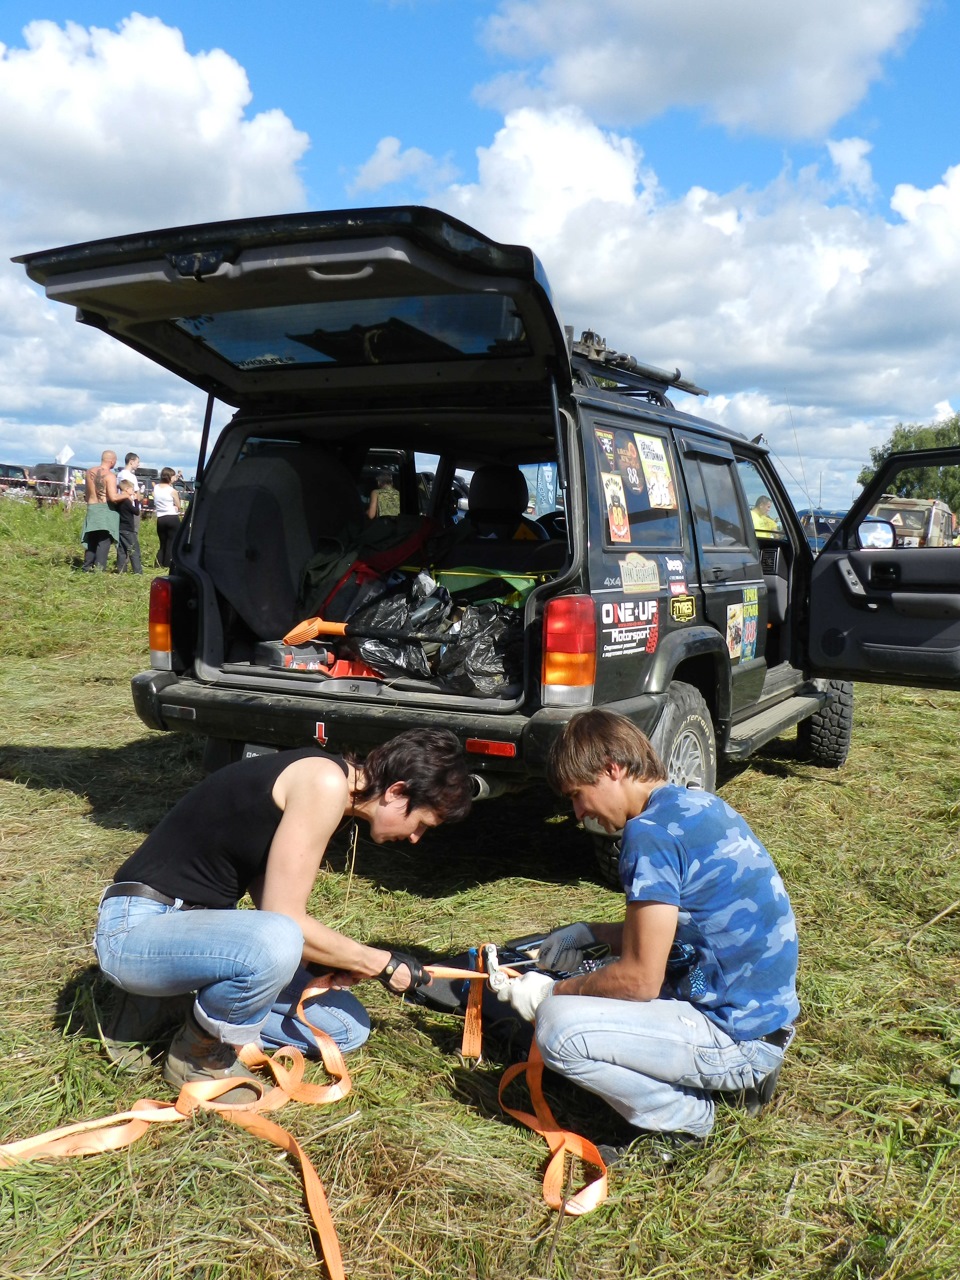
<point>560,1141</point>
<point>113,1132</point>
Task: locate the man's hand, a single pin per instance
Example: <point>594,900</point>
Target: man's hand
<point>562,950</point>
<point>524,994</point>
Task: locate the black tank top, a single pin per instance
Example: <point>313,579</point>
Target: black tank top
<point>214,842</point>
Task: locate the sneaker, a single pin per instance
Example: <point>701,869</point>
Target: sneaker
<point>134,1024</point>
<point>194,1054</point>
<point>754,1100</point>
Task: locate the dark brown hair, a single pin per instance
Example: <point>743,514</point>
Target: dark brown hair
<point>166,475</point>
<point>592,740</point>
<point>432,767</point>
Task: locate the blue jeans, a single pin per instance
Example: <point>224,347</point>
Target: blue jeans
<point>657,1062</point>
<point>245,967</point>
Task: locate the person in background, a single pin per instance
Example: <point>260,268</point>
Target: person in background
<point>700,997</point>
<point>166,506</point>
<point>101,524</point>
<point>168,925</point>
<point>385,499</point>
<point>764,522</point>
<point>128,547</point>
<point>129,472</point>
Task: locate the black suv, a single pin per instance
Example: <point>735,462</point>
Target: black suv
<point>400,339</point>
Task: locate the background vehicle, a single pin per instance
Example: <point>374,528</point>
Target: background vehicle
<point>818,524</point>
<point>917,522</point>
<point>14,475</point>
<point>147,477</point>
<point>59,481</point>
<point>347,338</point>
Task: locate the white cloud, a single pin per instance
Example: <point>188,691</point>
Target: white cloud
<point>849,156</point>
<point>391,164</point>
<point>777,69</point>
<point>106,131</point>
<point>817,324</point>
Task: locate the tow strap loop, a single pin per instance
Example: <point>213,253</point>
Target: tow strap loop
<point>562,1142</point>
<point>114,1132</point>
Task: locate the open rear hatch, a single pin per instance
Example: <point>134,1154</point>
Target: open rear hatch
<point>276,310</point>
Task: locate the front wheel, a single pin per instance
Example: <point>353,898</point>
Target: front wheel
<point>824,738</point>
<point>685,742</point>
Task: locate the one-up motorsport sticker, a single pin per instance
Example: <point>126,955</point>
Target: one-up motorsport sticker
<point>629,626</point>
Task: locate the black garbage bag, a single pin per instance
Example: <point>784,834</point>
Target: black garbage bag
<point>485,657</point>
<point>391,612</point>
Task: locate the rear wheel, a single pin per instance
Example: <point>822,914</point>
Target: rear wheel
<point>685,741</point>
<point>824,738</point>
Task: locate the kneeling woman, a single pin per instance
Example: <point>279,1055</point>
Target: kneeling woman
<point>168,924</point>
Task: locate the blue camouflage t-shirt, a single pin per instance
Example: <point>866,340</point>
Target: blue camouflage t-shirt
<point>735,954</point>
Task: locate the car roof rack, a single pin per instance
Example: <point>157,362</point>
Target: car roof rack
<point>595,365</point>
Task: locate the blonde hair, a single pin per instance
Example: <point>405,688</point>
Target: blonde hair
<point>592,740</point>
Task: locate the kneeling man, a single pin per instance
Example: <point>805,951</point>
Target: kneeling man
<point>701,995</point>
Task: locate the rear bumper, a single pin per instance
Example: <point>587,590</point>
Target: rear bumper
<point>164,700</point>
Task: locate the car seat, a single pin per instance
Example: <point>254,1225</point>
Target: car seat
<point>496,504</point>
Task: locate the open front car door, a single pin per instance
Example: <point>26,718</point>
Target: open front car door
<point>885,600</point>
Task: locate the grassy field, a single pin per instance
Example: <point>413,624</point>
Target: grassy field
<point>851,1172</point>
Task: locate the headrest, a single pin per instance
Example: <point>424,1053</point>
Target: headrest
<point>498,488</point>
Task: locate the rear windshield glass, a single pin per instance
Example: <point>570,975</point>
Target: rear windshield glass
<point>364,331</point>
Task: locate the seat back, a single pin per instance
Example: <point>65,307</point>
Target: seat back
<point>263,526</point>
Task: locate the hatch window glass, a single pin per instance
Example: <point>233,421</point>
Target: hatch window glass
<point>639,488</point>
<point>363,331</point>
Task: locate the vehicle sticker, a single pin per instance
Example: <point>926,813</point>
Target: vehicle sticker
<point>683,608</point>
<point>751,615</point>
<point>656,471</point>
<point>611,582</point>
<point>637,573</point>
<point>605,441</point>
<point>629,626</point>
<point>678,588</point>
<point>321,733</point>
<point>617,518</point>
<point>734,630</point>
<point>676,569</point>
<point>628,462</point>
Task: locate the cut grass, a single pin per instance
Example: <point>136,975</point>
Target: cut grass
<point>852,1172</point>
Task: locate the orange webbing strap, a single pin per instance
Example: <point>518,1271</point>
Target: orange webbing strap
<point>560,1141</point>
<point>113,1132</point>
<point>471,1044</point>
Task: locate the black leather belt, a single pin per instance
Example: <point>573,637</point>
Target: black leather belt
<point>779,1038</point>
<point>134,889</point>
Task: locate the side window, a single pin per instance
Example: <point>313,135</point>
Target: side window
<point>717,509</point>
<point>639,488</point>
<point>764,512</point>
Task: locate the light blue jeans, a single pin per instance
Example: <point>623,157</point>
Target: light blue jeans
<point>657,1062</point>
<point>245,967</point>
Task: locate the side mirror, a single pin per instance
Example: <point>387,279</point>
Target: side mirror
<point>876,533</point>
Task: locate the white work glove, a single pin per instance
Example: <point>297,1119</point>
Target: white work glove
<point>562,950</point>
<point>524,994</point>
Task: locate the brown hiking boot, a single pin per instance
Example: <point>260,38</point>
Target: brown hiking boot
<point>196,1055</point>
<point>133,1025</point>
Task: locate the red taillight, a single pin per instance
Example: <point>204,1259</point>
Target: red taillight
<point>569,666</point>
<point>490,747</point>
<point>161,638</point>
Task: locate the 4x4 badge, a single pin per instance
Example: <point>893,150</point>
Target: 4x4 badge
<point>683,608</point>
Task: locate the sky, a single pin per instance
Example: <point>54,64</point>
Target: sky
<point>766,196</point>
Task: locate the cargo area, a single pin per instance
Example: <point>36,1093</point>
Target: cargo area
<point>341,565</point>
